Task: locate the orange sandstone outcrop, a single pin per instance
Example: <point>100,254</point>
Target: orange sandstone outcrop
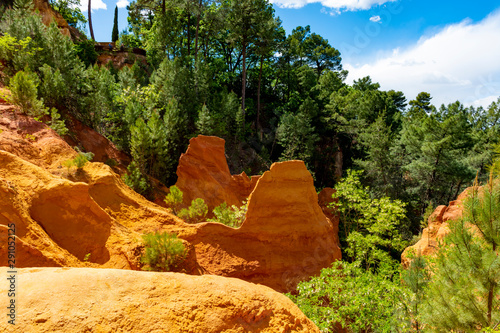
<point>89,217</point>
<point>437,228</point>
<point>31,140</point>
<point>203,173</point>
<point>284,239</point>
<point>109,300</point>
<point>50,15</point>
<point>90,140</point>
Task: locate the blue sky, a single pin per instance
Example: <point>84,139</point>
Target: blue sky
<point>449,48</point>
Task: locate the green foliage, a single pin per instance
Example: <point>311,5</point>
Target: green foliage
<point>205,123</point>
<point>356,299</point>
<point>9,45</point>
<point>136,180</point>
<point>173,199</point>
<point>56,123</point>
<point>85,50</point>
<point>297,137</point>
<point>464,292</point>
<point>369,226</point>
<point>231,216</point>
<point>163,252</point>
<point>70,11</point>
<point>415,278</point>
<point>23,87</point>
<point>114,32</point>
<point>79,161</point>
<point>194,213</point>
<point>111,162</point>
<point>30,137</point>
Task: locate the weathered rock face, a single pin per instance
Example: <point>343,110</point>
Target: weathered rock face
<point>31,140</point>
<point>109,300</point>
<point>120,59</point>
<point>203,173</point>
<point>63,216</point>
<point>437,229</point>
<point>102,148</point>
<point>49,15</point>
<point>284,239</point>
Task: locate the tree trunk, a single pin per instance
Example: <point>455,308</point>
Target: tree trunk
<point>197,30</point>
<point>244,80</point>
<point>188,34</point>
<point>90,21</point>
<point>490,294</point>
<point>258,97</point>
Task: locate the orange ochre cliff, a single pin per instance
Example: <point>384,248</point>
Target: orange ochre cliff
<point>437,228</point>
<point>89,219</point>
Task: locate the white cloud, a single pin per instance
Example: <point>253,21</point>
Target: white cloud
<point>460,62</point>
<point>96,5</point>
<point>122,3</point>
<point>338,4</point>
<point>375,18</point>
<point>484,102</point>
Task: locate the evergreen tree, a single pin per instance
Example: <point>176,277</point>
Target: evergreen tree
<point>114,33</point>
<point>464,292</point>
<point>416,278</point>
<point>369,228</point>
<point>421,105</point>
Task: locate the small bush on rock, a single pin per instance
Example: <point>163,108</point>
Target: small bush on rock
<point>79,161</point>
<point>230,216</point>
<point>163,251</point>
<point>174,199</point>
<point>196,212</point>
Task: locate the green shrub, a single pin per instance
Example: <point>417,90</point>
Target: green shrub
<point>111,162</point>
<point>230,216</point>
<point>136,180</point>
<point>79,161</point>
<point>56,123</point>
<point>163,251</point>
<point>23,87</point>
<point>196,212</point>
<point>10,45</point>
<point>174,199</point>
<point>356,299</point>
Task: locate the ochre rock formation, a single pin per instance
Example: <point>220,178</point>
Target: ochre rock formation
<point>90,218</point>
<point>31,140</point>
<point>203,173</point>
<point>90,140</point>
<point>109,300</point>
<point>49,15</point>
<point>437,228</point>
<point>120,59</point>
<point>285,237</point>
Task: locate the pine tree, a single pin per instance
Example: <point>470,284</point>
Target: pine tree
<point>464,291</point>
<point>205,123</point>
<point>114,33</point>
<point>416,278</point>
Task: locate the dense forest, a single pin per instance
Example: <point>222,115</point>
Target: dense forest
<point>228,68</point>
